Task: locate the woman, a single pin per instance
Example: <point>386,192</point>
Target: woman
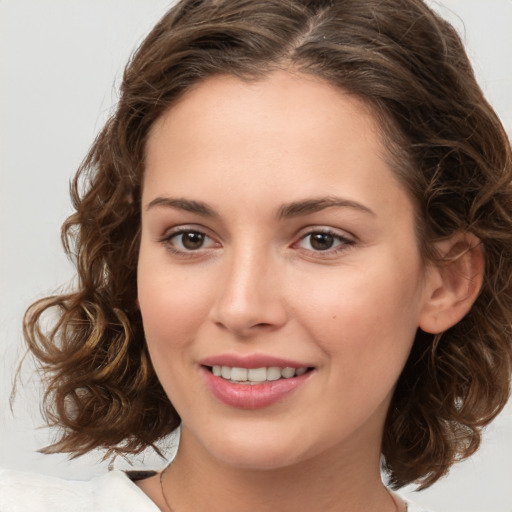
<point>296,230</point>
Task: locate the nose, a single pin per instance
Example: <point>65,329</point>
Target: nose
<point>250,297</point>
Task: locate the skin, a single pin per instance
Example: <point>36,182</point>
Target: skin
<point>258,285</point>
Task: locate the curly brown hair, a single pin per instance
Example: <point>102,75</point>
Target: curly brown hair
<point>447,146</point>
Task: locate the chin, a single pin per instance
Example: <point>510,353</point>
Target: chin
<point>257,459</point>
<point>252,451</point>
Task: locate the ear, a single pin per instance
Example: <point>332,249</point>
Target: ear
<point>453,284</point>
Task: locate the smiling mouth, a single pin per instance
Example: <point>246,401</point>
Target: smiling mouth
<point>237,375</point>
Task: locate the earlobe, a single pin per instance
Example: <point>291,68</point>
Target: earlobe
<point>454,283</point>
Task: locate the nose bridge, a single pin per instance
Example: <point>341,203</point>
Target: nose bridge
<point>249,296</point>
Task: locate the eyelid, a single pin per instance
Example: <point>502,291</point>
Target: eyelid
<point>341,233</point>
<point>347,241</point>
<point>167,237</point>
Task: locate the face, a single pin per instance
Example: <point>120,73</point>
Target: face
<point>277,246</point>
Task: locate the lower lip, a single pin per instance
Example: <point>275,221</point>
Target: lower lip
<point>252,396</point>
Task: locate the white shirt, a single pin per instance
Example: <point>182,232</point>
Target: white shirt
<point>111,492</point>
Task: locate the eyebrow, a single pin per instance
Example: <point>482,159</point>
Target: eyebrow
<point>293,209</point>
<point>184,204</point>
<point>308,206</point>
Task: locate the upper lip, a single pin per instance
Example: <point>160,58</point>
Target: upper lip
<point>251,361</point>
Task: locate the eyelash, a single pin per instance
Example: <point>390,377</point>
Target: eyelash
<point>167,240</point>
<point>344,242</point>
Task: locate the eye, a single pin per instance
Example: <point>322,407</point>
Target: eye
<point>188,240</point>
<point>326,241</point>
<point>321,241</point>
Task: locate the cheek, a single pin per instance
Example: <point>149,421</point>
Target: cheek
<point>172,307</point>
<point>368,315</point>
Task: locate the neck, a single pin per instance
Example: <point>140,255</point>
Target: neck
<point>340,481</point>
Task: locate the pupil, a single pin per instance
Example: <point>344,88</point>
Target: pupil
<point>321,241</point>
<point>192,240</point>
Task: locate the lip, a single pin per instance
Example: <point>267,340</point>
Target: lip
<point>251,361</point>
<point>252,396</point>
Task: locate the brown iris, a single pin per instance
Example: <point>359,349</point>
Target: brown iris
<point>321,241</point>
<point>192,240</point>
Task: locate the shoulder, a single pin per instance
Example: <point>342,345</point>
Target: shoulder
<point>30,492</point>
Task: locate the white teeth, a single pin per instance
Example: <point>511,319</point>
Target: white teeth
<point>225,372</point>
<point>288,372</point>
<point>273,373</point>
<point>239,374</point>
<point>256,375</point>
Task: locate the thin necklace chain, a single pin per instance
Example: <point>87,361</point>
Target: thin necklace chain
<point>162,474</point>
<point>162,488</point>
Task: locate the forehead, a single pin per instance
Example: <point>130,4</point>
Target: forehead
<point>299,133</point>
<point>288,104</point>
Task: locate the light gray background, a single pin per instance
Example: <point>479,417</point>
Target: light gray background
<point>60,65</point>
